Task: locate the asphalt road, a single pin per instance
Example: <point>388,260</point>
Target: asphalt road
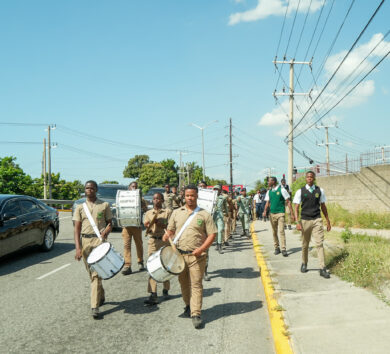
<point>45,308</point>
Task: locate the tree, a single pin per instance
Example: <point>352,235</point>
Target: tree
<point>298,184</point>
<point>152,175</point>
<point>134,166</point>
<point>13,180</point>
<point>213,182</point>
<point>110,182</point>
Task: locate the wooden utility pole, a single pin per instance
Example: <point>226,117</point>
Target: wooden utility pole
<point>231,155</point>
<point>326,144</point>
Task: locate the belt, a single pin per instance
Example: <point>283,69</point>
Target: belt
<point>184,252</point>
<point>156,237</point>
<point>88,235</point>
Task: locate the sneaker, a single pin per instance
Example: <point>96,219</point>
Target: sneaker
<point>126,271</point>
<point>284,253</point>
<point>152,300</point>
<point>289,227</point>
<point>324,273</point>
<point>141,266</point>
<point>277,251</point>
<point>303,268</point>
<point>165,294</point>
<point>102,300</point>
<point>95,313</point>
<point>197,322</point>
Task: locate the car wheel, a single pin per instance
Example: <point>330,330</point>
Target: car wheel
<point>48,239</point>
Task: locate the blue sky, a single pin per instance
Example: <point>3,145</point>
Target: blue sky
<point>139,72</point>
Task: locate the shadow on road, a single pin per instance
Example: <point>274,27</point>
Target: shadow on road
<point>229,309</point>
<point>30,256</point>
<point>235,273</point>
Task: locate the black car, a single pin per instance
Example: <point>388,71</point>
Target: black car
<point>107,193</point>
<point>26,221</point>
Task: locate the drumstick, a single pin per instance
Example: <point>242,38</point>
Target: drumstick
<point>172,245</point>
<point>151,223</point>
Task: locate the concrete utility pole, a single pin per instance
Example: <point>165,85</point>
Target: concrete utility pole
<point>49,158</point>
<point>291,94</point>
<point>44,170</point>
<point>326,144</point>
<point>202,129</point>
<point>231,155</point>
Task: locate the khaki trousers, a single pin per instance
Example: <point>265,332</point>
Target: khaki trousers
<point>128,233</point>
<point>313,228</point>
<point>228,227</point>
<point>277,223</point>
<point>234,221</point>
<point>153,246</point>
<point>97,291</point>
<point>288,215</point>
<point>190,280</point>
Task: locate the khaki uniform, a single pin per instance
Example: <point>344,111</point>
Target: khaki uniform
<point>229,218</point>
<point>155,242</point>
<point>101,214</point>
<point>192,238</point>
<point>313,228</point>
<point>135,232</point>
<point>175,201</point>
<point>167,200</point>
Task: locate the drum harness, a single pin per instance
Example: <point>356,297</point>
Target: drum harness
<point>176,239</point>
<point>91,221</point>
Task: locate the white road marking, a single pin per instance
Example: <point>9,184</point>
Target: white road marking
<point>65,217</point>
<point>53,271</point>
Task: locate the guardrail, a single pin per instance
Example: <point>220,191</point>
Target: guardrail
<point>61,202</point>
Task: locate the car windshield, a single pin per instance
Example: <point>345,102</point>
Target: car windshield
<point>108,192</point>
<point>154,190</point>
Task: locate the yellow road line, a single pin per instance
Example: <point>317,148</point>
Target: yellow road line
<point>278,326</point>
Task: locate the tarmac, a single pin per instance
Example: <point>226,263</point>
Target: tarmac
<point>322,315</point>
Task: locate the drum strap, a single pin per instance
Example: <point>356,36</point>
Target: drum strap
<point>196,210</point>
<point>91,221</point>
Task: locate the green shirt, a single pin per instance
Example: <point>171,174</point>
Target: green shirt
<point>244,205</point>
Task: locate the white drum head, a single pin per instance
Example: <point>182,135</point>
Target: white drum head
<point>173,262</point>
<point>99,252</point>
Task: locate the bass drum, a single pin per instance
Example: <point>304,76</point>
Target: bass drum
<point>165,264</point>
<point>128,208</point>
<point>207,199</point>
<point>105,260</point>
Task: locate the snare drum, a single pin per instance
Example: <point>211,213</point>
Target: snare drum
<point>165,264</point>
<point>128,206</point>
<point>105,260</point>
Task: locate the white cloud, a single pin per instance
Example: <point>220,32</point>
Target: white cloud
<point>266,8</point>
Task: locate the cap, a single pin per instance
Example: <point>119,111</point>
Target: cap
<point>243,189</point>
<point>217,186</point>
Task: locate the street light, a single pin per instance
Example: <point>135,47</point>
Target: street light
<point>202,129</point>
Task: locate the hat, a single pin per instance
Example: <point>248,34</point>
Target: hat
<point>217,186</point>
<point>243,189</point>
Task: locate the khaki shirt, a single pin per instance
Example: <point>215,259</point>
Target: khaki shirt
<point>101,214</point>
<point>201,226</point>
<point>167,200</point>
<point>161,222</point>
<point>175,201</point>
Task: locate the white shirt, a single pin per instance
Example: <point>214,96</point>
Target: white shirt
<point>285,194</point>
<point>257,198</point>
<point>298,199</point>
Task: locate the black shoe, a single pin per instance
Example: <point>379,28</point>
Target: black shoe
<point>126,271</point>
<point>152,300</point>
<point>277,251</point>
<point>141,266</point>
<point>289,227</point>
<point>102,300</point>
<point>197,322</point>
<point>216,247</point>
<point>264,219</point>
<point>303,268</point>
<point>285,227</point>
<point>220,248</point>
<point>165,294</point>
<point>324,273</point>
<point>187,312</point>
<point>206,277</point>
<point>95,313</point>
<point>284,253</point>
<point>226,243</point>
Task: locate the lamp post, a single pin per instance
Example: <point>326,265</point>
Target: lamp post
<point>202,129</point>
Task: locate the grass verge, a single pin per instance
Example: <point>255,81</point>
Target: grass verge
<point>363,260</point>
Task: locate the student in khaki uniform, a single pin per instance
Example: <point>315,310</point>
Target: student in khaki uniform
<point>276,199</point>
<point>312,199</point>
<point>196,238</point>
<point>175,199</point>
<point>167,197</point>
<point>130,232</point>
<point>86,240</point>
<point>228,218</point>
<point>156,221</point>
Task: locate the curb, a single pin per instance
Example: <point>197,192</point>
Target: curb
<point>278,326</point>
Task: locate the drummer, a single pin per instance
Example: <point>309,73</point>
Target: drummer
<point>196,238</point>
<point>156,221</point>
<point>86,240</point>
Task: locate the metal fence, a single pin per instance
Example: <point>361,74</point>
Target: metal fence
<point>380,156</point>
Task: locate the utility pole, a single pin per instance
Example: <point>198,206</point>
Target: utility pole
<point>327,143</point>
<point>44,170</point>
<point>291,94</point>
<point>49,159</point>
<point>180,172</point>
<point>231,155</point>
